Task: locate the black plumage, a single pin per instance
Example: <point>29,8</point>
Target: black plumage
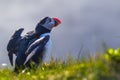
<point>13,43</point>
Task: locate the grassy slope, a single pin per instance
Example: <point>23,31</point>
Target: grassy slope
<point>94,68</point>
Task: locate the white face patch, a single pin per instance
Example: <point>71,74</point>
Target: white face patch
<point>49,24</point>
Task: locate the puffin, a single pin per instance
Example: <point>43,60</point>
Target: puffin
<point>34,46</point>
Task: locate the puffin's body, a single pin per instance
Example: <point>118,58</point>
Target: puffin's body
<point>28,46</point>
<point>40,48</point>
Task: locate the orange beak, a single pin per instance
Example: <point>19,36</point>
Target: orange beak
<point>57,21</point>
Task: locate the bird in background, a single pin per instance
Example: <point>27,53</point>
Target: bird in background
<point>34,46</point>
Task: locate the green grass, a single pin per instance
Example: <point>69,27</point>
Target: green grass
<point>98,67</point>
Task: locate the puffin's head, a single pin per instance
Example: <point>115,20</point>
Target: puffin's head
<point>48,24</point>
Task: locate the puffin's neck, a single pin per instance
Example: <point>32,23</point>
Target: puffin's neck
<point>45,34</point>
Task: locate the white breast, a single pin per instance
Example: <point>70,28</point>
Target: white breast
<point>47,49</point>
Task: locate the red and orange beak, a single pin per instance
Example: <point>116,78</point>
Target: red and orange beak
<point>57,21</point>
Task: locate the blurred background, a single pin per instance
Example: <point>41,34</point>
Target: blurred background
<point>90,24</point>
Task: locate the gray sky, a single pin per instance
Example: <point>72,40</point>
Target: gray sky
<point>84,22</point>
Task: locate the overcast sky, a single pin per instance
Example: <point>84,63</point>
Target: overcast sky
<point>84,22</point>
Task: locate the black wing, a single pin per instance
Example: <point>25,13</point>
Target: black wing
<point>36,47</point>
<point>12,44</point>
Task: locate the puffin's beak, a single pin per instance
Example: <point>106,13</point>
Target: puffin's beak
<point>10,55</point>
<point>57,21</point>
